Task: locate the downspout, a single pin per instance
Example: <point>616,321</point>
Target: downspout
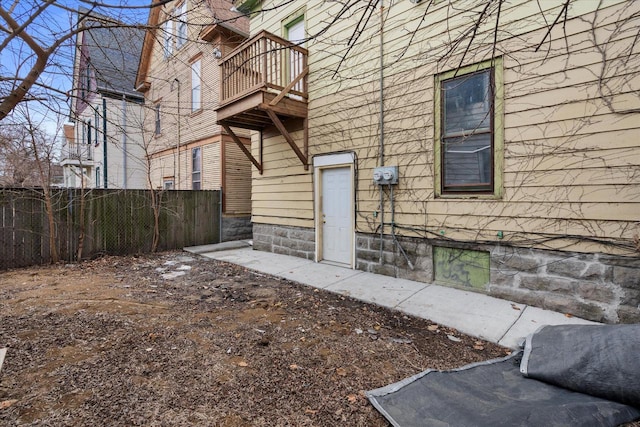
<point>104,141</point>
<point>381,126</point>
<point>124,141</point>
<point>381,83</point>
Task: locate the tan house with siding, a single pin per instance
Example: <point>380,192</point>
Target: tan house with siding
<point>178,75</point>
<point>490,146</point>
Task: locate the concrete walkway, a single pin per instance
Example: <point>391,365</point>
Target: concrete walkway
<point>496,320</point>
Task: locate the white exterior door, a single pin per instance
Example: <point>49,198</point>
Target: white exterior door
<point>336,219</point>
<point>295,32</point>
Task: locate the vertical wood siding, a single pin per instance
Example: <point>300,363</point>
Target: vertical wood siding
<point>116,222</point>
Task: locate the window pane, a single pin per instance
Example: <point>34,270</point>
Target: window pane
<point>181,15</point>
<point>467,162</point>
<point>196,162</point>
<point>168,34</point>
<point>467,106</point>
<point>196,168</point>
<point>195,86</point>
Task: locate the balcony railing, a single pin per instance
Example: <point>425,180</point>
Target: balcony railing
<point>263,82</point>
<point>73,153</point>
<point>264,62</point>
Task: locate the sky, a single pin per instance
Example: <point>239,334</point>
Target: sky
<point>56,21</point>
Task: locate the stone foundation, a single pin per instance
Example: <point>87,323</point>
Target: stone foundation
<point>235,228</point>
<point>286,240</point>
<point>597,287</point>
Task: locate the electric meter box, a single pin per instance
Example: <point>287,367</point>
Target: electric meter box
<point>385,175</point>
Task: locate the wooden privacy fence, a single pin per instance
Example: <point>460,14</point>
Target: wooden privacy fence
<point>116,222</point>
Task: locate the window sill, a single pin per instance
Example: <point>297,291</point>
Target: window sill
<point>469,196</point>
<point>196,112</point>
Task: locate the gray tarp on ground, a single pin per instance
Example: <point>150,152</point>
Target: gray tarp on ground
<point>496,393</point>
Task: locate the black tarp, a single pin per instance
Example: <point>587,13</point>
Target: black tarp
<point>600,359</point>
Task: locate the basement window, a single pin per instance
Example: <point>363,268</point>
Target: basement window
<point>463,268</point>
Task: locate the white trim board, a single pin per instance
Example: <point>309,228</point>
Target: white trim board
<point>332,159</point>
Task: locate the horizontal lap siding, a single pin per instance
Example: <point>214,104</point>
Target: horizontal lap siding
<point>171,86</point>
<point>237,190</point>
<point>571,145</point>
<point>162,167</point>
<point>211,166</point>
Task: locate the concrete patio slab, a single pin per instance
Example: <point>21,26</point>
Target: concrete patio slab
<point>469,312</point>
<point>217,247</point>
<point>264,262</point>
<point>531,319</point>
<point>381,290</point>
<point>319,275</point>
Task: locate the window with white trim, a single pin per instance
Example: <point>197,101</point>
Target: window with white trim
<point>196,168</point>
<point>167,32</point>
<point>181,30</point>
<point>196,86</point>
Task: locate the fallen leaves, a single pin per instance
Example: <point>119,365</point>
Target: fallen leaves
<point>6,403</point>
<point>454,338</point>
<point>237,353</point>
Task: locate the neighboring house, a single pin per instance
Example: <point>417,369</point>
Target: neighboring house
<point>511,156</point>
<point>104,147</point>
<point>178,75</point>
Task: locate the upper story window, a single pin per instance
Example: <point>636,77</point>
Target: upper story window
<point>196,86</point>
<point>157,128</point>
<point>85,81</point>
<point>181,30</point>
<point>167,34</point>
<point>294,31</point>
<point>89,129</point>
<point>469,130</point>
<point>196,168</point>
<point>96,118</point>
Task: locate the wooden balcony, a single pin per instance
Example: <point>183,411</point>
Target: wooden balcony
<point>263,83</point>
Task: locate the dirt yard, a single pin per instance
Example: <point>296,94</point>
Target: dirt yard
<point>177,340</point>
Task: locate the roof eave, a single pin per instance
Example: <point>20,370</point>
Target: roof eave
<point>147,47</point>
<point>209,32</point>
